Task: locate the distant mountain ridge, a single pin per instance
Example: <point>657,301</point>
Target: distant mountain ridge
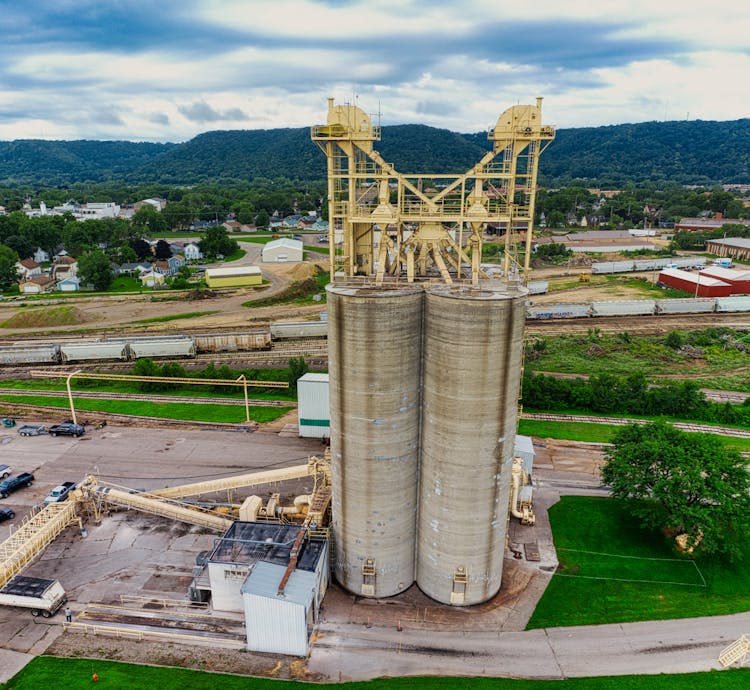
<point>687,152</point>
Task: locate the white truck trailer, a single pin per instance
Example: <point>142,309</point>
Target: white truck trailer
<point>43,597</point>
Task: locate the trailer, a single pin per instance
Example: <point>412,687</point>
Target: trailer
<point>44,597</point>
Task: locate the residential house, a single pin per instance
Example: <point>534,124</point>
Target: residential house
<point>37,285</point>
<point>152,278</point>
<point>69,284</point>
<point>176,263</point>
<point>63,267</point>
<point>28,268</point>
<point>192,251</point>
<point>41,256</point>
<point>163,267</point>
<point>133,268</point>
<point>157,203</point>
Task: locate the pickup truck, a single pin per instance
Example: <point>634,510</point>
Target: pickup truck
<point>7,514</point>
<point>59,493</point>
<point>8,486</point>
<point>43,597</point>
<point>67,429</point>
<point>32,430</point>
<point>5,471</point>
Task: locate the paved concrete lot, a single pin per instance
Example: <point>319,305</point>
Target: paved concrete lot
<point>127,552</point>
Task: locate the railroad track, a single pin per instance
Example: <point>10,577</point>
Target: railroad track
<point>103,395</point>
<point>619,421</point>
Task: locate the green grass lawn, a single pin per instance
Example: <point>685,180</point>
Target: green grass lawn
<point>52,672</point>
<point>598,433</point>
<point>233,414</point>
<point>175,317</point>
<point>612,571</point>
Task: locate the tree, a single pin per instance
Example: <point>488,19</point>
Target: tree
<point>297,368</point>
<point>162,250</point>
<point>96,268</point>
<point>262,219</point>
<point>217,242</point>
<point>8,268</point>
<point>685,483</point>
<point>141,248</point>
<point>245,213</point>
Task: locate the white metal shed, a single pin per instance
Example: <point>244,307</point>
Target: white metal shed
<point>313,408</point>
<point>280,624</point>
<point>283,249</point>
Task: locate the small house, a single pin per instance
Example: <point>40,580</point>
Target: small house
<point>37,285</point>
<point>63,267</point>
<point>192,251</point>
<point>41,256</point>
<point>28,268</point>
<point>69,284</point>
<point>152,278</point>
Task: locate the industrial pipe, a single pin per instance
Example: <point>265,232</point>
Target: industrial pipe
<point>518,478</point>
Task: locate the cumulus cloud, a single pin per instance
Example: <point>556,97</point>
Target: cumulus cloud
<point>200,111</point>
<point>447,64</point>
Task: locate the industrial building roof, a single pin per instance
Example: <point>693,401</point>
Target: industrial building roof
<point>725,273</point>
<point>318,378</point>
<point>249,542</point>
<point>692,277</point>
<point>284,242</point>
<point>523,444</point>
<point>743,242</point>
<point>230,271</point>
<point>264,581</point>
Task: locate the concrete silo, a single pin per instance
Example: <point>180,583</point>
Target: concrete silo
<point>374,341</point>
<point>472,358</point>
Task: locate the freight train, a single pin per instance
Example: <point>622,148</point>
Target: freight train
<point>189,346</point>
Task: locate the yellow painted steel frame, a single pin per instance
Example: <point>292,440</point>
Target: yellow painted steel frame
<point>33,536</point>
<point>423,219</point>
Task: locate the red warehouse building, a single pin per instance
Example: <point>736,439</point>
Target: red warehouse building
<point>739,281</point>
<point>696,285</point>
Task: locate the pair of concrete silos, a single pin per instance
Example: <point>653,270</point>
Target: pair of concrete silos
<point>424,385</point>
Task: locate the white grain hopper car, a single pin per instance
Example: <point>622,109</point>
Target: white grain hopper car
<point>299,329</point>
<point>558,311</point>
<point>730,304</point>
<point>634,307</point>
<point>29,354</point>
<point>43,597</point>
<point>162,347</point>
<point>538,287</point>
<point>688,305</point>
<point>83,352</point>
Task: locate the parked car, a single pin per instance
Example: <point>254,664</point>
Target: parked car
<point>67,429</point>
<point>6,514</point>
<point>59,493</point>
<point>5,471</point>
<point>32,430</point>
<point>8,486</point>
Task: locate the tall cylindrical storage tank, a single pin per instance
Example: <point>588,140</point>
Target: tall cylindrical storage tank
<point>374,345</point>
<point>473,342</point>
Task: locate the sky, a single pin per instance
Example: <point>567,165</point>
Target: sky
<point>143,70</point>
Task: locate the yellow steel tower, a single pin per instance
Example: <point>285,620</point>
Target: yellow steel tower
<point>391,224</point>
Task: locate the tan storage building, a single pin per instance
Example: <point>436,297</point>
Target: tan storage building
<point>237,276</point>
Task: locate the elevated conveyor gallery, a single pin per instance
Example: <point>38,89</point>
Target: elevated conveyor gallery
<point>33,536</point>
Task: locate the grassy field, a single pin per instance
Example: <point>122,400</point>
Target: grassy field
<point>622,354</point>
<point>176,317</point>
<point>44,317</point>
<point>232,414</point>
<point>612,571</point>
<point>52,672</point>
<point>599,433</point>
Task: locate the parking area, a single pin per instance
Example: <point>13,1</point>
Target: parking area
<point>126,552</point>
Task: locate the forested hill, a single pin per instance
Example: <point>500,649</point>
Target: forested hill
<point>697,152</point>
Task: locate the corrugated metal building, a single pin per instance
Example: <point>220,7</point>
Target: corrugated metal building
<point>697,285</point>
<point>246,544</point>
<point>280,623</point>
<point>313,407</point>
<point>738,280</point>
<point>524,448</point>
<point>284,249</point>
<point>736,247</point>
<point>233,276</point>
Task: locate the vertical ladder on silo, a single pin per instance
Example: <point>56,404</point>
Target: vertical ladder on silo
<point>737,652</point>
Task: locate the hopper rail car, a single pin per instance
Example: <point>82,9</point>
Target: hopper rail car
<point>307,338</point>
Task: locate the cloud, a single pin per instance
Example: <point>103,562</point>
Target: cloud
<point>158,118</point>
<point>200,111</point>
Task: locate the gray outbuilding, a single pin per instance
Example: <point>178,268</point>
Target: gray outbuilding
<point>282,250</point>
